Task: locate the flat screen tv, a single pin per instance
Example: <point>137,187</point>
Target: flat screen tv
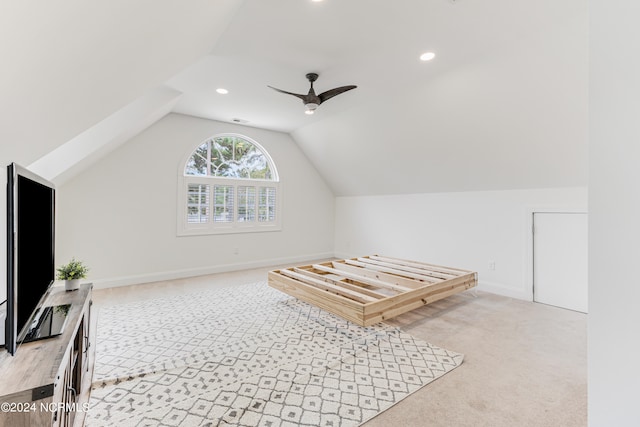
<point>30,252</point>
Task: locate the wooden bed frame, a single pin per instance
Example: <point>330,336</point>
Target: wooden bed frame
<point>371,289</point>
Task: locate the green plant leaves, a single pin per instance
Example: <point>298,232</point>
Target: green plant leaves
<point>73,270</point>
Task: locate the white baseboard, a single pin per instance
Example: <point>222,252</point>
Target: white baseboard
<point>494,288</point>
<point>499,289</point>
<point>202,271</point>
<point>344,255</point>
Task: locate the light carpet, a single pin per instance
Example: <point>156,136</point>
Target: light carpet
<point>250,356</point>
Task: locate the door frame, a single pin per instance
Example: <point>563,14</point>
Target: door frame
<point>528,232</point>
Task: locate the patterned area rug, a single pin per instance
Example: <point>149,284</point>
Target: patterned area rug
<point>250,356</point>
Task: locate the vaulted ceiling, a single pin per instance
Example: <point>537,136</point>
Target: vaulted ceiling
<point>503,105</point>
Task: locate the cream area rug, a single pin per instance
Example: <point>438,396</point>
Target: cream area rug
<point>250,356</point>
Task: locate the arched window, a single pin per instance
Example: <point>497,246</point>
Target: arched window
<point>229,184</point>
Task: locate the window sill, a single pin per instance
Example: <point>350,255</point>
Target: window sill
<point>228,230</point>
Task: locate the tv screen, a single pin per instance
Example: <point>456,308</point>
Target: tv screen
<point>30,249</point>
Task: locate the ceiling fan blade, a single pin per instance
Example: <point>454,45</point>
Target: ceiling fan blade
<point>333,92</point>
<point>303,97</point>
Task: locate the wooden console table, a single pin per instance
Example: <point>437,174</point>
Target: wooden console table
<point>47,382</point>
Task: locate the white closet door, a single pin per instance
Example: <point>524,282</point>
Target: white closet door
<point>560,257</point>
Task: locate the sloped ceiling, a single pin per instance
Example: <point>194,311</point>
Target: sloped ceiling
<point>503,105</point>
<point>69,64</point>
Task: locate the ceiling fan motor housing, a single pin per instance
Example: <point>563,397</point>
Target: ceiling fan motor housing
<point>311,100</point>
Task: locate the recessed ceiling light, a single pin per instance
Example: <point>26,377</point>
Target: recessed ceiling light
<point>316,1</point>
<point>222,91</point>
<point>427,56</point>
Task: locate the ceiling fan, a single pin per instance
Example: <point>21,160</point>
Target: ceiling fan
<point>311,100</point>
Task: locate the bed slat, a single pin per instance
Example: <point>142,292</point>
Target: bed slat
<point>434,267</point>
<point>368,290</point>
<point>428,274</point>
<point>329,287</point>
<point>363,279</point>
<point>339,283</point>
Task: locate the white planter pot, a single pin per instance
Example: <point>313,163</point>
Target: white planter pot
<point>71,285</point>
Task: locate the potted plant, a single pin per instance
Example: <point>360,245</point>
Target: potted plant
<point>71,273</point>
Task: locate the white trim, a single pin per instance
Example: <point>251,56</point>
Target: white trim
<point>115,282</point>
<point>527,274</point>
<point>344,255</point>
<point>500,289</point>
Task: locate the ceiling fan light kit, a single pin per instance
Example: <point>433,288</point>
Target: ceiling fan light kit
<point>311,101</point>
<point>311,107</point>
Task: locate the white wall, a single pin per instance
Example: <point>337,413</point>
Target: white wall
<point>120,215</point>
<point>614,206</point>
<point>465,230</point>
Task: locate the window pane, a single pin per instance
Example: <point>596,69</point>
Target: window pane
<point>223,203</point>
<point>267,204</point>
<point>197,203</point>
<point>234,157</point>
<point>197,164</point>
<point>227,187</point>
<point>243,152</point>
<point>221,155</point>
<point>256,165</point>
<point>246,204</point>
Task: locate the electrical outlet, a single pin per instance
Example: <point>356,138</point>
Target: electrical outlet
<point>492,265</point>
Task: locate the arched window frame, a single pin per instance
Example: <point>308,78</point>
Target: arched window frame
<point>255,190</point>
